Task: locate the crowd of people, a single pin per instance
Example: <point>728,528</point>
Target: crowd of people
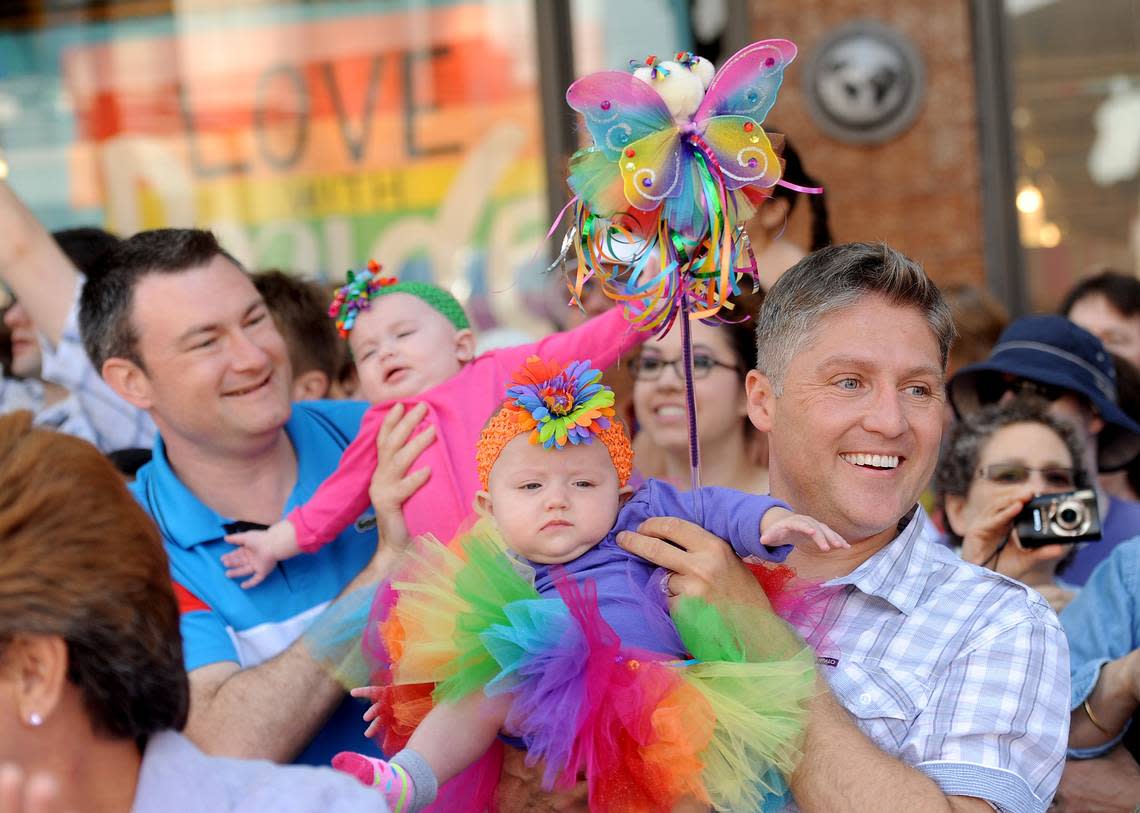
<point>194,504</point>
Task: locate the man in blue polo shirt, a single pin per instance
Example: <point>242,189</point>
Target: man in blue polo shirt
<point>177,328</point>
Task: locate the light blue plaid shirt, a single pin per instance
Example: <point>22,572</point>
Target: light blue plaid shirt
<point>957,671</point>
<point>92,410</point>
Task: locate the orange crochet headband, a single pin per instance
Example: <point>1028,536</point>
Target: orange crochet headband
<point>558,406</point>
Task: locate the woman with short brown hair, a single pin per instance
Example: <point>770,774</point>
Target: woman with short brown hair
<point>92,686</point>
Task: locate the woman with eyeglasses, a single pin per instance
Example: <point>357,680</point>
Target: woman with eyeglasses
<point>733,452</point>
<point>993,463</point>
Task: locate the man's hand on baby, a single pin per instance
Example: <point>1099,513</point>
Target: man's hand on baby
<point>782,527</point>
<point>258,552</point>
<point>392,483</point>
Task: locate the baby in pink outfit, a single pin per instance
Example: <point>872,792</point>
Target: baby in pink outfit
<point>413,344</point>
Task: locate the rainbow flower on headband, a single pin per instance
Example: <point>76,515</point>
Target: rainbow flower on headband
<point>365,285</point>
<point>356,295</point>
<point>560,404</point>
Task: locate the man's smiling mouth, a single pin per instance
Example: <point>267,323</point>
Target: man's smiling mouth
<point>873,461</point>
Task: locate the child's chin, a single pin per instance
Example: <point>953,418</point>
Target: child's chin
<point>559,557</point>
<point>388,392</point>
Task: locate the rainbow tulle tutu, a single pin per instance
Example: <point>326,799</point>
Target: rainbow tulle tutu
<point>645,729</point>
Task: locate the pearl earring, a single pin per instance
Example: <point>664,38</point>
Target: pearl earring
<point>35,719</point>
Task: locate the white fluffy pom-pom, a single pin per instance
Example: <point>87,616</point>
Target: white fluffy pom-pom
<point>703,69</point>
<point>680,88</point>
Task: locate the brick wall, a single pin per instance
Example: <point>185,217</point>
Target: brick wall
<point>920,192</point>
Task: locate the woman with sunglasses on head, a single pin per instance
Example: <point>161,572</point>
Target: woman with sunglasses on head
<point>734,453</point>
<point>994,462</point>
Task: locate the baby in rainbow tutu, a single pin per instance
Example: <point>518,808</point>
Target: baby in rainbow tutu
<point>538,623</point>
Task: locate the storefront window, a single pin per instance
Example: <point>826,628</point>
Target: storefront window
<point>1076,120</point>
<point>608,35</point>
<point>310,135</point>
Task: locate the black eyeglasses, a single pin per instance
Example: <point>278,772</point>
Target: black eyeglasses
<point>649,368</point>
<point>1016,474</point>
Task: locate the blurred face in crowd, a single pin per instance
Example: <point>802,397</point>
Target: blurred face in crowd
<point>26,355</point>
<point>593,300</point>
<point>215,370</point>
<point>1120,333</point>
<point>854,434</point>
<point>403,346</point>
<point>659,388</point>
<point>1022,458</point>
<point>552,505</point>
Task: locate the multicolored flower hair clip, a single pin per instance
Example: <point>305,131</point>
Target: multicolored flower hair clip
<point>559,406</point>
<point>686,58</point>
<point>565,404</point>
<point>656,69</point>
<point>356,295</point>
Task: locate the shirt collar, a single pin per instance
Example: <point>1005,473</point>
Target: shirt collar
<point>187,521</point>
<point>896,573</point>
<point>183,518</point>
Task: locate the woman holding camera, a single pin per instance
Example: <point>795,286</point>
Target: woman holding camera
<point>996,461</point>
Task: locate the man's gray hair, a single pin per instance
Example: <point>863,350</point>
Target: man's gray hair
<point>832,279</point>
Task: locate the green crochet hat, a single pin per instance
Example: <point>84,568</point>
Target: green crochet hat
<point>365,285</point>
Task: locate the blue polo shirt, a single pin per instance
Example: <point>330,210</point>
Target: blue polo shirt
<point>221,621</point>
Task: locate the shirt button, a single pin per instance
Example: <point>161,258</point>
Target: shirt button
<point>865,698</point>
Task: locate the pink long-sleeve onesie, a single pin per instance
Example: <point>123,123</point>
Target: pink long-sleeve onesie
<point>458,408</point>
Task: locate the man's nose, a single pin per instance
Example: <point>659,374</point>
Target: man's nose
<point>885,415</point>
<point>247,354</point>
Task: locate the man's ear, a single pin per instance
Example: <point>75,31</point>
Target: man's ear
<point>483,504</point>
<point>465,346</point>
<point>956,513</point>
<point>37,665</point>
<point>129,381</point>
<point>309,386</point>
<point>761,400</point>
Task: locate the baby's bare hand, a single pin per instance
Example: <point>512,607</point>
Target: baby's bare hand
<point>258,552</point>
<point>371,716</point>
<point>802,531</point>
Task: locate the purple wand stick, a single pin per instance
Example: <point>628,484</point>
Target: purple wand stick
<point>691,408</point>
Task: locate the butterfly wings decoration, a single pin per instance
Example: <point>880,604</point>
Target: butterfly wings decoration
<point>677,184</point>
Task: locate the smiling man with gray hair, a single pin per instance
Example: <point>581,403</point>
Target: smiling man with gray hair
<point>943,686</point>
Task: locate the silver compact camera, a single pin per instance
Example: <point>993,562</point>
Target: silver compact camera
<point>1058,518</point>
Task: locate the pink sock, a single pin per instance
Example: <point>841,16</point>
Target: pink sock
<point>391,780</point>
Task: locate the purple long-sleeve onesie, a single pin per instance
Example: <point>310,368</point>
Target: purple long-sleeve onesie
<point>630,597</point>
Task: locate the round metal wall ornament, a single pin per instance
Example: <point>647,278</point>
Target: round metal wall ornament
<point>865,83</point>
